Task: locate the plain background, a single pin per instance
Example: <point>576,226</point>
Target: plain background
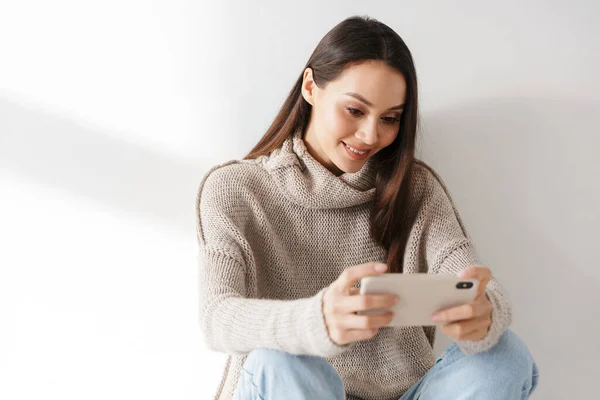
<point>111,112</point>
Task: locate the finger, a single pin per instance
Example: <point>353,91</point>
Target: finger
<point>360,302</point>
<point>353,274</point>
<point>483,286</point>
<point>475,334</point>
<point>457,331</point>
<point>463,312</point>
<point>354,291</point>
<point>463,329</point>
<point>481,273</point>
<point>353,321</point>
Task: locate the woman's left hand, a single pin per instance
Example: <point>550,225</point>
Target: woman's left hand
<point>470,321</point>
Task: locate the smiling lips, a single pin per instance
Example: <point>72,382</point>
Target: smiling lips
<point>355,153</point>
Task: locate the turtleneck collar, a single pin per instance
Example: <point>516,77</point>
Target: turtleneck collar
<point>308,183</point>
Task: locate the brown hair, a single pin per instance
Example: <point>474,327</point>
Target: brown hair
<point>352,41</point>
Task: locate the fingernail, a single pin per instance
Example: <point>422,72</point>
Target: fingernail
<point>380,267</point>
<point>435,317</point>
<point>396,300</point>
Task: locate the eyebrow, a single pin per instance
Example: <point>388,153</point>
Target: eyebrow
<point>367,102</point>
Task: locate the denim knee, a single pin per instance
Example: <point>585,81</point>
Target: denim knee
<point>509,362</point>
<point>518,360</point>
<point>273,370</point>
<point>505,371</point>
<point>514,351</point>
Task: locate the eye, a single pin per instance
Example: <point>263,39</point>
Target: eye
<point>354,111</point>
<point>388,120</point>
<point>391,120</point>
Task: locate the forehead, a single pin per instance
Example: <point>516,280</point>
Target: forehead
<point>381,84</point>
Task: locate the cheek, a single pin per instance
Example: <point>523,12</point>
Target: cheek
<point>339,124</point>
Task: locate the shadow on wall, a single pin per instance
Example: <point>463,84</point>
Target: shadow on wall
<point>85,162</point>
<point>524,174</point>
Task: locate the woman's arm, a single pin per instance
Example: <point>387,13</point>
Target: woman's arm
<point>230,321</point>
<point>449,250</point>
<point>235,324</point>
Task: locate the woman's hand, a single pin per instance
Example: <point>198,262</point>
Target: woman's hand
<point>341,300</point>
<point>470,321</point>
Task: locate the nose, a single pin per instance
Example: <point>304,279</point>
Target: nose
<point>368,134</point>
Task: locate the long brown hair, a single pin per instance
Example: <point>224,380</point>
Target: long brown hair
<point>352,41</point>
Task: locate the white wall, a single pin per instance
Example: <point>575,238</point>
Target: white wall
<point>111,112</point>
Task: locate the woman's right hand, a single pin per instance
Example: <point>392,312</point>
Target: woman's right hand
<point>341,300</point>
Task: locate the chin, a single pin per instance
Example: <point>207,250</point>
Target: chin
<point>351,168</point>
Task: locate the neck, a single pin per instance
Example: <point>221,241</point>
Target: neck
<point>307,182</point>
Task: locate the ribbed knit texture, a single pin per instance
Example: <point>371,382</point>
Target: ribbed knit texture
<point>275,231</point>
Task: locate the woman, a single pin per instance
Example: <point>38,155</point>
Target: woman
<point>332,190</point>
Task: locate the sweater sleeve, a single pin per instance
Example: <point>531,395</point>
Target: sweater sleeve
<point>450,249</point>
<point>230,319</point>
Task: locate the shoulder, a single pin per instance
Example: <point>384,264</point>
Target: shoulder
<point>230,180</point>
<point>427,181</point>
<point>222,202</point>
<point>226,193</point>
<point>432,197</point>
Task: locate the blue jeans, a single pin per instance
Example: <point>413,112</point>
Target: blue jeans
<point>506,371</point>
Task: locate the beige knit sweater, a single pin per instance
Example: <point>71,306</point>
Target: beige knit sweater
<point>275,231</point>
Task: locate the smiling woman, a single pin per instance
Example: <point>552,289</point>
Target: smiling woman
<point>358,89</point>
<point>346,127</point>
<point>331,193</point>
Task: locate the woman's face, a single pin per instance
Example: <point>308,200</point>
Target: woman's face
<point>361,108</point>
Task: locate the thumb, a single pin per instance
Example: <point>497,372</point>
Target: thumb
<point>469,272</point>
<point>351,275</point>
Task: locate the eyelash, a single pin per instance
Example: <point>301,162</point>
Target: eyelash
<point>351,110</point>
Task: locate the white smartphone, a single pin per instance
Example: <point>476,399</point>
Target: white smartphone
<point>421,295</point>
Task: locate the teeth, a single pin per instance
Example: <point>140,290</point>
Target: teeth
<point>355,151</point>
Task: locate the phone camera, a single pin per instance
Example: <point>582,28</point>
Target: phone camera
<point>464,285</point>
